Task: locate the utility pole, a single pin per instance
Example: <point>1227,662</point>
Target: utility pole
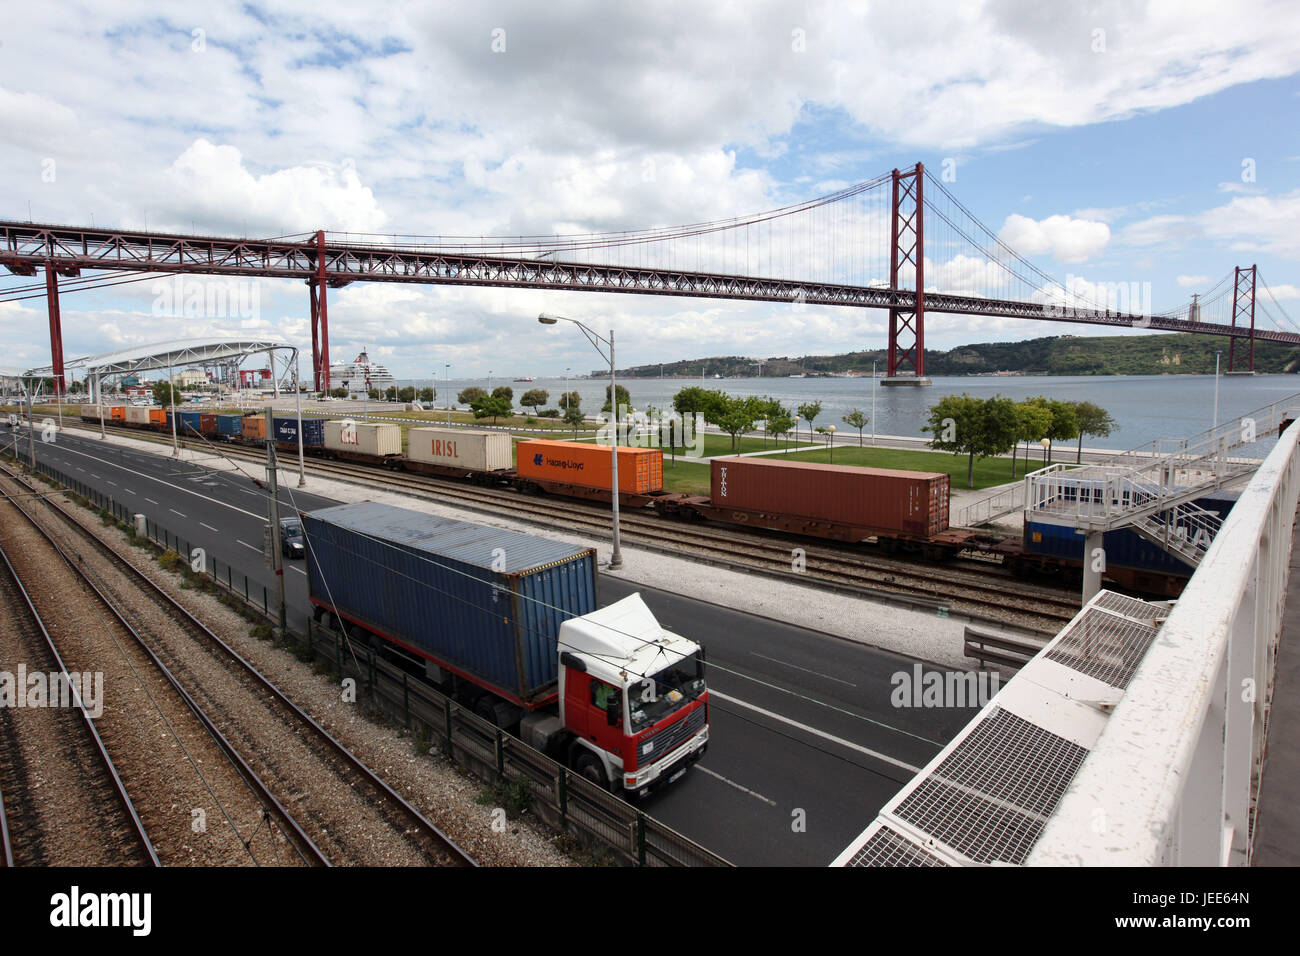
<point>31,430</point>
<point>276,555</point>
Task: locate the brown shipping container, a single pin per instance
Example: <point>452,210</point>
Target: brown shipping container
<point>640,470</point>
<point>908,502</point>
<point>208,424</point>
<point>254,427</point>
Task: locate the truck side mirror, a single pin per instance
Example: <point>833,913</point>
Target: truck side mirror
<point>614,713</point>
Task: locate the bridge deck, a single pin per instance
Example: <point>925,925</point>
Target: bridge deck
<point>1277,827</point>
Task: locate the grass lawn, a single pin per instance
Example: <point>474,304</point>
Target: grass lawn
<point>988,471</point>
<point>686,475</point>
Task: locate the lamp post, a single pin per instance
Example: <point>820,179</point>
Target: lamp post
<point>447,386</point>
<point>873,402</point>
<point>796,435</point>
<point>597,340</point>
<point>1046,443</point>
<point>831,431</point>
<point>1216,387</point>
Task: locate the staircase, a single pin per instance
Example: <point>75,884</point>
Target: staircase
<point>1185,531</point>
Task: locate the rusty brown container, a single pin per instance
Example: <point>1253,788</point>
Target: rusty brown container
<point>912,503</point>
<point>208,424</point>
<point>254,428</point>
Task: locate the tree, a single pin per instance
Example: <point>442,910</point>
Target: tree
<point>809,412</point>
<point>734,415</point>
<point>573,415</point>
<point>491,406</point>
<point>624,399</point>
<point>1033,420</point>
<point>467,396</point>
<point>856,419</point>
<point>165,394</point>
<point>390,394</point>
<point>770,409</point>
<point>569,400</point>
<point>374,394</point>
<point>1064,425</point>
<point>428,394</point>
<point>339,392</point>
<point>1094,420</point>
<point>406,393</point>
<point>781,424</point>
<point>535,398</point>
<point>504,391</point>
<point>973,427</point>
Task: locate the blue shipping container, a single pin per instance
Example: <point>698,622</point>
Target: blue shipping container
<point>187,423</point>
<point>1125,548</point>
<point>479,601</point>
<point>231,426</point>
<point>313,432</point>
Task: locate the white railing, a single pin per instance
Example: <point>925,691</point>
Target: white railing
<point>1186,531</point>
<point>1172,778</point>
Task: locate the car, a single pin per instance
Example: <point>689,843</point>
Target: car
<point>292,541</point>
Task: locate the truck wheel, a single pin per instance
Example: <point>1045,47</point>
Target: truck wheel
<point>590,768</point>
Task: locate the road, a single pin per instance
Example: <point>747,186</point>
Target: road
<point>805,744</point>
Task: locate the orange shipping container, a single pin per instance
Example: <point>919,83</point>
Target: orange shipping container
<point>119,413</point>
<point>255,427</point>
<point>157,416</point>
<point>640,470</point>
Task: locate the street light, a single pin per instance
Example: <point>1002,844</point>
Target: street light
<point>831,429</point>
<point>597,340</point>
<point>448,389</point>
<point>1216,387</point>
<point>873,402</point>
<point>1046,443</point>
<point>796,435</point>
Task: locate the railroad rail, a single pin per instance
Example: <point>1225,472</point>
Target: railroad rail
<point>31,630</point>
<point>975,594</point>
<point>436,846</point>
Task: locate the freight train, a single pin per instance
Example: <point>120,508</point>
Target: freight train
<point>896,511</point>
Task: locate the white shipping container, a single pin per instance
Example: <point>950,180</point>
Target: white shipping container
<point>137,415</point>
<point>457,448</point>
<point>92,411</point>
<point>365,438</point>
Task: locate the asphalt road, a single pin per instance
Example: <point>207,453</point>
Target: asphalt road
<point>805,744</point>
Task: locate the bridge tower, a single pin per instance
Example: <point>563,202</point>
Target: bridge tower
<point>320,326</point>
<point>1243,305</point>
<point>906,365</point>
<point>52,273</point>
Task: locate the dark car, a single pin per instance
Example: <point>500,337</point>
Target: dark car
<point>292,542</point>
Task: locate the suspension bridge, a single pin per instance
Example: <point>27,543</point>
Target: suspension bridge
<point>900,241</point>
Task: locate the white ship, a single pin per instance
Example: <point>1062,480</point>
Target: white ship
<point>356,372</point>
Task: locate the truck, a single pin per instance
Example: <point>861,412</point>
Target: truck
<point>507,624</point>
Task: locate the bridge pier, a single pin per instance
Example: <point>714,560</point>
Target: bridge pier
<point>320,328</point>
<point>906,365</point>
<point>1243,304</point>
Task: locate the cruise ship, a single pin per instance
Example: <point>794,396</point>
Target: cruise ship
<point>357,371</point>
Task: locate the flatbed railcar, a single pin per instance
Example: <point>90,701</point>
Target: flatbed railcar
<point>1132,562</point>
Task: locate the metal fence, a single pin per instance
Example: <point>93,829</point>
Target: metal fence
<point>556,794</point>
<point>1174,777</point>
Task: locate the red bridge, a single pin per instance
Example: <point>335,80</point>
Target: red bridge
<point>900,241</point>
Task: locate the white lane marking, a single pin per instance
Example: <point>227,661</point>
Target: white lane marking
<point>82,470</point>
<point>249,546</point>
<point>300,570</point>
<point>93,475</point>
<point>175,512</point>
<point>817,733</point>
<point>111,482</point>
<point>210,528</point>
<point>160,481</point>
<point>775,660</point>
<point>732,783</point>
<point>128,491</point>
<point>151,501</point>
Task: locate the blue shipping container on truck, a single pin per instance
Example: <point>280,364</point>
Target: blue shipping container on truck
<point>479,601</point>
<point>230,425</point>
<point>313,431</point>
<point>1125,548</point>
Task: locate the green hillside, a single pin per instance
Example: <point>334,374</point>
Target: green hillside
<point>1158,354</point>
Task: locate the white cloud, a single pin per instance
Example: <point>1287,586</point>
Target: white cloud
<point>1191,282</point>
<point>1266,224</point>
<point>1063,237</point>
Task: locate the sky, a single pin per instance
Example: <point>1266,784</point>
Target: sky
<point>1148,147</point>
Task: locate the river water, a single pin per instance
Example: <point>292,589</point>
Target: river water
<point>1145,406</point>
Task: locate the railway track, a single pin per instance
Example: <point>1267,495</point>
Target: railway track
<point>62,801</point>
<point>977,594</point>
<point>328,787</point>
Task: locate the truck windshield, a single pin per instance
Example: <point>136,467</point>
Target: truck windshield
<point>658,695</point>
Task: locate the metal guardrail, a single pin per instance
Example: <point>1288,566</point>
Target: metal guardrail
<point>557,795</point>
<point>1173,778</point>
